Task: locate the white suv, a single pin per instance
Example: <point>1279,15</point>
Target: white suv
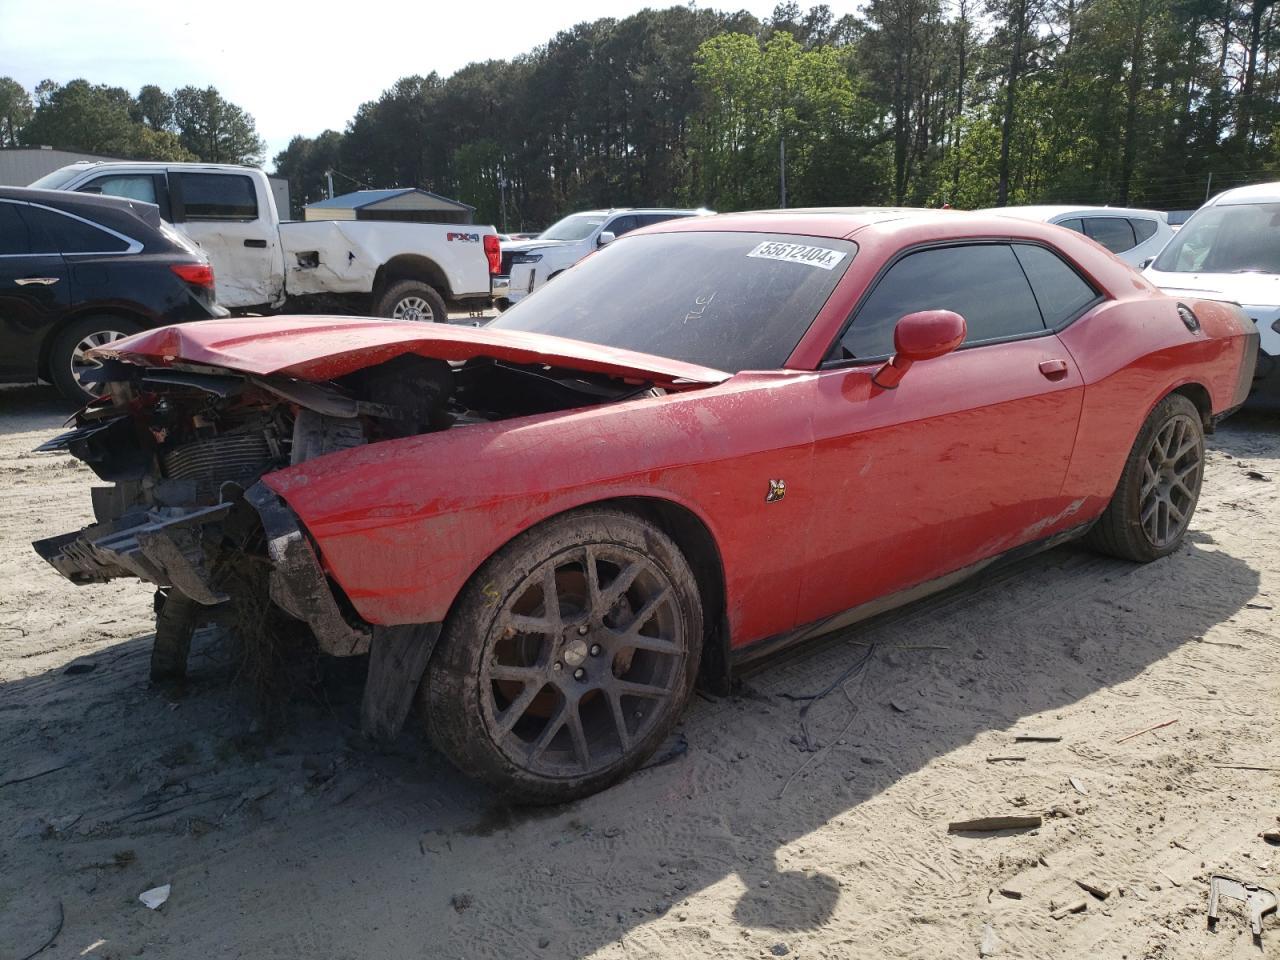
<point>1230,250</point>
<point>527,264</point>
<point>1135,236</point>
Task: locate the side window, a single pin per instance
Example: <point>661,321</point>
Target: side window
<point>649,219</point>
<point>1143,228</point>
<point>70,235</point>
<point>134,186</point>
<point>982,282</point>
<point>1114,233</point>
<point>218,196</point>
<point>1060,291</point>
<point>15,239</point>
<point>620,225</point>
<point>1075,223</point>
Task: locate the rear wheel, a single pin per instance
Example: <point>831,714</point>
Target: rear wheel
<point>412,300</point>
<point>68,356</point>
<point>1153,504</point>
<point>568,658</point>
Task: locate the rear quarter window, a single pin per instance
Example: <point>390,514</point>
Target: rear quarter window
<point>65,234</point>
<point>218,196</point>
<point>1143,229</point>
<point>1061,292</point>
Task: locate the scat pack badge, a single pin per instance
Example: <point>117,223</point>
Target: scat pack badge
<point>777,490</point>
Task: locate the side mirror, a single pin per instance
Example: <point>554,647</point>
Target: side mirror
<point>606,237</point>
<point>920,336</point>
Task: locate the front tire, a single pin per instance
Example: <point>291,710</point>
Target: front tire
<point>412,300</point>
<point>568,658</point>
<point>1153,504</point>
<point>68,362</point>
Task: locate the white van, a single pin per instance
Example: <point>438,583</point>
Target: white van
<point>1230,250</point>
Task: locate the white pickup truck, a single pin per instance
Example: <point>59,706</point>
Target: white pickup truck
<point>409,271</point>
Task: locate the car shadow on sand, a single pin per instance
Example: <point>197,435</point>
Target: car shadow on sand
<point>310,841</point>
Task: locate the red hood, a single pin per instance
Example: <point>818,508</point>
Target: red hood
<point>321,348</point>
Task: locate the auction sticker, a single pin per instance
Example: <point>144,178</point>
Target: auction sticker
<point>798,253</point>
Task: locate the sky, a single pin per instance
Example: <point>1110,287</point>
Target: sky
<point>298,68</point>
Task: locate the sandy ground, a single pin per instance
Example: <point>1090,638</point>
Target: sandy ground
<point>310,843</point>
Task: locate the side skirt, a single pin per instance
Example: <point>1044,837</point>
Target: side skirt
<point>753,653</point>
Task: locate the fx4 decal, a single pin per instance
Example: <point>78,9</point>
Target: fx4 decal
<point>464,237</point>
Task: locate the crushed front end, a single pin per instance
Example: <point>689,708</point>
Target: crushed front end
<point>183,448</point>
<point>183,451</point>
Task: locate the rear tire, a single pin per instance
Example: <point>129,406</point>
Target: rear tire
<point>67,362</point>
<point>1152,507</point>
<point>551,707</point>
<point>412,300</point>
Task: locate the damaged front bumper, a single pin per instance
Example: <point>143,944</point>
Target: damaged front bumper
<point>178,548</point>
<point>163,545</point>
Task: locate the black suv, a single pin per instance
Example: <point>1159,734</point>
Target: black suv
<point>78,271</point>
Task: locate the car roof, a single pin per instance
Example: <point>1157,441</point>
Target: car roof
<point>845,222</point>
<point>887,231</point>
<point>1257,193</point>
<point>1049,211</point>
<point>154,165</point>
<point>68,200</point>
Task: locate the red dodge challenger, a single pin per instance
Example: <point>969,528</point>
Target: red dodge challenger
<point>710,439</point>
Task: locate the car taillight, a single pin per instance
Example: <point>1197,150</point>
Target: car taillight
<point>196,274</point>
<point>494,252</point>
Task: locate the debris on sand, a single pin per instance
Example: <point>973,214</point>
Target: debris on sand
<point>155,897</point>
<point>1098,890</point>
<point>989,824</point>
<point>990,944</point>
<point>1158,726</point>
<point>1079,906</point>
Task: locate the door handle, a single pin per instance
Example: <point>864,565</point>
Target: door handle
<point>1053,369</point>
<point>38,281</point>
<point>256,243</point>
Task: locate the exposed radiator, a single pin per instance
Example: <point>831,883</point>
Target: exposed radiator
<point>240,458</point>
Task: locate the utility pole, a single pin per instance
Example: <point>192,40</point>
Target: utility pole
<point>1208,186</point>
<point>503,183</point>
<point>328,175</point>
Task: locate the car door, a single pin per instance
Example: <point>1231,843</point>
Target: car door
<point>1114,233</point>
<point>223,213</point>
<point>621,224</point>
<point>966,458</point>
<point>34,292</point>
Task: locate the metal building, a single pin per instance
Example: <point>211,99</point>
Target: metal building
<point>400,203</point>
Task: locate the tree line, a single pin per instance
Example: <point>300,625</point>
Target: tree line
<point>923,102</point>
<point>188,124</point>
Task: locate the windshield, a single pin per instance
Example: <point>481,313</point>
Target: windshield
<point>1228,238</point>
<point>56,180</point>
<point>732,301</point>
<point>577,227</point>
